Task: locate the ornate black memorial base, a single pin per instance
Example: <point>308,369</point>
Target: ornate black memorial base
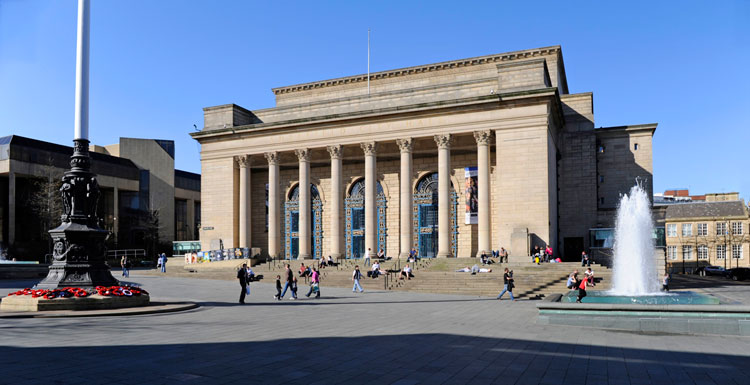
<point>79,252</point>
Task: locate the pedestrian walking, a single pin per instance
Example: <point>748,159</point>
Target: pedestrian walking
<point>289,278</point>
<point>367,257</point>
<point>314,283</point>
<point>163,262</point>
<point>356,276</point>
<point>242,277</point>
<point>507,284</point>
<point>581,289</point>
<point>294,288</point>
<point>665,282</point>
<point>278,288</point>
<point>125,263</point>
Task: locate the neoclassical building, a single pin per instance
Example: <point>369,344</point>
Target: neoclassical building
<point>451,159</point>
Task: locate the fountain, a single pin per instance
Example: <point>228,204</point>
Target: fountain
<point>635,301</point>
<point>635,279</point>
<point>634,266</point>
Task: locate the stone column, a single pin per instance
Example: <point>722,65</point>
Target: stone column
<point>305,250</point>
<point>444,196</point>
<point>274,206</point>
<point>483,170</point>
<point>116,213</point>
<point>245,237</point>
<point>406,224</point>
<point>11,208</point>
<point>191,219</point>
<point>371,180</point>
<point>336,200</point>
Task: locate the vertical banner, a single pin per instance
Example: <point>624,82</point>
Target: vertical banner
<point>470,196</point>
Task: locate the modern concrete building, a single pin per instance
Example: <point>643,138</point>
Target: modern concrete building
<point>451,159</point>
<point>135,176</point>
<point>708,233</point>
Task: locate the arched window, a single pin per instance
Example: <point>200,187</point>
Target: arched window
<point>291,223</point>
<point>355,219</point>
<point>425,238</point>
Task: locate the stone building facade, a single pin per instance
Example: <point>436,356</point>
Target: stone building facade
<point>715,232</point>
<point>135,176</point>
<point>387,160</point>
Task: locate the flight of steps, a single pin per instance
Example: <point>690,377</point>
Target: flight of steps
<point>531,280</point>
<point>431,275</point>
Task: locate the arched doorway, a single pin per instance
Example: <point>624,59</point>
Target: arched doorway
<point>291,219</point>
<point>355,219</point>
<point>425,239</point>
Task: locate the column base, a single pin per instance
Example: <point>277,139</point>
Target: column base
<point>444,254</point>
<point>405,255</point>
<point>304,256</point>
<point>336,256</point>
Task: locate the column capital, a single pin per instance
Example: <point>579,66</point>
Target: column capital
<point>336,151</point>
<point>444,141</point>
<point>303,154</point>
<point>243,160</point>
<point>405,144</point>
<point>370,148</point>
<point>483,138</point>
<point>272,157</point>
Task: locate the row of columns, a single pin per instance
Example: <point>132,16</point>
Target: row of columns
<point>335,208</point>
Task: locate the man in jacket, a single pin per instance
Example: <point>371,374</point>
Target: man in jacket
<point>242,276</point>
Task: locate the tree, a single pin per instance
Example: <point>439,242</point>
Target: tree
<point>44,200</point>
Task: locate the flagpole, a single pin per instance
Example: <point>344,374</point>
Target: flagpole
<point>368,62</point>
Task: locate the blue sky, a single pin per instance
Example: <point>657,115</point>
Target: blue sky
<point>156,64</point>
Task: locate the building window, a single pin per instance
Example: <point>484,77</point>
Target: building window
<point>635,147</point>
<point>721,228</point>
<point>737,251</point>
<point>687,252</point>
<point>702,229</point>
<point>672,230</point>
<point>737,228</point>
<point>702,252</point>
<point>672,252</point>
<point>601,200</point>
<point>721,252</point>
<point>601,178</point>
<point>687,229</point>
<point>601,150</point>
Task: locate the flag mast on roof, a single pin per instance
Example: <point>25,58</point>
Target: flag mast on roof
<point>368,62</point>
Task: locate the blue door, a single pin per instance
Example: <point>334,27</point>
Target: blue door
<point>425,220</point>
<point>355,219</point>
<point>291,223</point>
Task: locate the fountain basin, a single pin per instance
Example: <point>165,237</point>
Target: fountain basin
<point>712,319</point>
<point>671,298</point>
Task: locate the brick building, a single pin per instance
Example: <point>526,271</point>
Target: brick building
<point>451,159</point>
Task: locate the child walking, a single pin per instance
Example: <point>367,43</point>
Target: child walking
<point>278,288</point>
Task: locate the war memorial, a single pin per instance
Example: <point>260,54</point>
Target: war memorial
<point>435,165</point>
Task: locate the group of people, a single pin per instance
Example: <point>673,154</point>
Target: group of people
<point>290,282</point>
<point>580,284</point>
<point>538,255</point>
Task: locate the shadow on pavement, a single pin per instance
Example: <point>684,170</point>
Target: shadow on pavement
<point>382,359</point>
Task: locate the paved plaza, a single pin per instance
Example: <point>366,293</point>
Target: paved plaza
<point>374,337</point>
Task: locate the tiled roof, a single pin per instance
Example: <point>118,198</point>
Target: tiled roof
<point>707,210</point>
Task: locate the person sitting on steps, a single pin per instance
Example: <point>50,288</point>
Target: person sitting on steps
<point>406,272</point>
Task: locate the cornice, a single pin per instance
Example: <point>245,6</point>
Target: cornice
<point>378,113</point>
<point>515,55</point>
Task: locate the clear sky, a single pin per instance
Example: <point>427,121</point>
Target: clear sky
<point>156,64</point>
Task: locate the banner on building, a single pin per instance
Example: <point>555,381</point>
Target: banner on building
<point>471,199</point>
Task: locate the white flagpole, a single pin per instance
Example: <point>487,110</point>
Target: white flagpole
<point>82,72</point>
<point>368,62</point>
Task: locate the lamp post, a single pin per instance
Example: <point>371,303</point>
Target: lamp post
<point>78,257</point>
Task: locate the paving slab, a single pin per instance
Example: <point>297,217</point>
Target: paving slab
<point>379,337</point>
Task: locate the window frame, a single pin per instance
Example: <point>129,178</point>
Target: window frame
<point>671,229</point>
<point>737,252</point>
<point>702,252</point>
<point>721,251</point>
<point>702,229</point>
<point>689,254</point>
<point>687,226</point>
<point>672,253</point>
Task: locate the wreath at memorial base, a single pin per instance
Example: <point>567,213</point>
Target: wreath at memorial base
<point>106,291</point>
